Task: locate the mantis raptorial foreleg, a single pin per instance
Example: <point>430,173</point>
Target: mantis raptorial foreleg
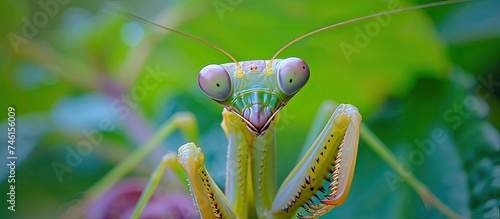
<point>209,199</point>
<point>333,152</point>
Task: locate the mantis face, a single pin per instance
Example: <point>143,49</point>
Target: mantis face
<point>254,94</point>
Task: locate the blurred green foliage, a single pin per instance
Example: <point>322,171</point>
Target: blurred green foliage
<point>411,75</point>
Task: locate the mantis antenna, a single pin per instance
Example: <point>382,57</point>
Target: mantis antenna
<point>269,66</point>
<point>239,71</point>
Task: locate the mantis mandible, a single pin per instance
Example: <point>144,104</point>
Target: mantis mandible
<point>252,94</point>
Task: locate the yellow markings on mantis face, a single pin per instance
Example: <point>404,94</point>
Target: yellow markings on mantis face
<point>269,68</point>
<point>239,72</point>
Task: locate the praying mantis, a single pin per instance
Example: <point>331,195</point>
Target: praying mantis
<point>252,94</point>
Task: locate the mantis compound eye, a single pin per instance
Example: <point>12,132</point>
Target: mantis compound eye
<point>293,74</point>
<point>215,82</point>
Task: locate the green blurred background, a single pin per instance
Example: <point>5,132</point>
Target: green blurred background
<point>70,66</point>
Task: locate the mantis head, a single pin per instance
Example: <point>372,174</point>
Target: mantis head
<point>252,90</point>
